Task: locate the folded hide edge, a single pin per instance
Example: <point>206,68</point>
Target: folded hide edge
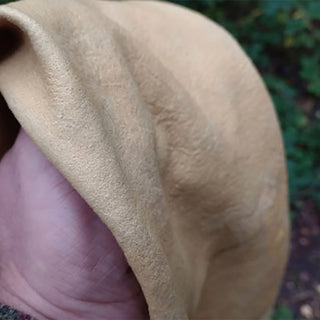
<point>162,124</point>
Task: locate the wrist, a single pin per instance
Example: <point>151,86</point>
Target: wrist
<point>20,296</point>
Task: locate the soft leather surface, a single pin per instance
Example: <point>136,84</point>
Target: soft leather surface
<point>161,123</point>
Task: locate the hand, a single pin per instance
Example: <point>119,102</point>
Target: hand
<point>58,260</point>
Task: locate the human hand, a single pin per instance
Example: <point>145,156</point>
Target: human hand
<point>58,260</point>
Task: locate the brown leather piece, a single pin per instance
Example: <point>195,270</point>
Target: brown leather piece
<point>162,124</point>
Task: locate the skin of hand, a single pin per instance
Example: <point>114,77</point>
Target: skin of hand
<point>57,259</point>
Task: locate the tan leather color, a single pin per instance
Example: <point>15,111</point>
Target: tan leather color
<point>162,124</point>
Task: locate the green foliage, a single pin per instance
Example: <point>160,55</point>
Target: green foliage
<point>283,40</point>
<point>6,1</point>
<point>310,71</point>
<point>282,313</point>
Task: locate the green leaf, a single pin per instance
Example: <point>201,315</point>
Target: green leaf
<point>310,71</point>
<point>282,313</point>
<point>313,9</point>
<point>272,7</point>
<point>6,1</point>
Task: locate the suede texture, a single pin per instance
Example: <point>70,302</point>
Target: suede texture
<point>162,124</point>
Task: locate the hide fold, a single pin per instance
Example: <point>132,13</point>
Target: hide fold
<point>161,123</point>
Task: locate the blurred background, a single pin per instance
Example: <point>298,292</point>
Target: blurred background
<point>282,37</point>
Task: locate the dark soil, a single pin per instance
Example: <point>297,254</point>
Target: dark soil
<point>300,291</point>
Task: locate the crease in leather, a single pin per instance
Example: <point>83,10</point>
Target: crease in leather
<point>184,166</point>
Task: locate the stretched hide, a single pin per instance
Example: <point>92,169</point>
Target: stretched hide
<point>162,124</point>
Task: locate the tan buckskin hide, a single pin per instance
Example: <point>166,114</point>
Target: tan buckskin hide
<point>162,124</point>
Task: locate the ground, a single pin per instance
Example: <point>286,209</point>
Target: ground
<point>300,291</point>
